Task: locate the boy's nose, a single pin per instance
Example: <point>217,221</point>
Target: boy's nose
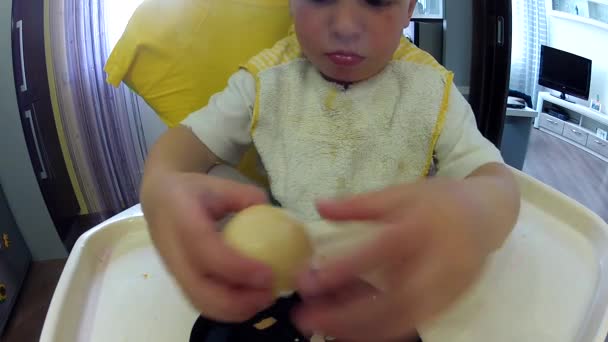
<point>346,26</point>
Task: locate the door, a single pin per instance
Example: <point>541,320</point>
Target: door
<point>28,50</point>
<point>47,160</point>
<point>491,65</point>
<point>37,116</point>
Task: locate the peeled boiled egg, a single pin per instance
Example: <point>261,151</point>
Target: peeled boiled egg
<point>270,235</point>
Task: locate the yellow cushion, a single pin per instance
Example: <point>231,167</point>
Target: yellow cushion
<point>177,53</point>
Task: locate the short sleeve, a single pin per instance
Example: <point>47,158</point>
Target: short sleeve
<point>223,125</point>
<point>461,148</point>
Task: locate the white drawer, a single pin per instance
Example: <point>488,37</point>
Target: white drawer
<point>551,123</point>
<point>575,134</point>
<point>598,145</point>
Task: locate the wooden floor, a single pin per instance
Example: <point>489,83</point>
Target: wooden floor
<point>33,303</point>
<point>570,170</point>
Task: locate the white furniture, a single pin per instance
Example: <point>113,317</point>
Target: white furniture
<point>578,18</point>
<point>522,113</point>
<point>579,129</point>
<point>549,282</point>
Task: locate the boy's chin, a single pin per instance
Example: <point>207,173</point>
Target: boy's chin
<point>344,78</point>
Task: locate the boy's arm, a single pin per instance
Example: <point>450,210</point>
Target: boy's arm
<point>182,206</point>
<point>217,133</point>
<point>224,124</point>
<point>434,238</point>
<point>178,150</point>
<point>496,194</point>
<point>463,153</point>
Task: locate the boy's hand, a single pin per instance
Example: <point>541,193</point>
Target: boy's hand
<point>435,238</point>
<point>182,210</point>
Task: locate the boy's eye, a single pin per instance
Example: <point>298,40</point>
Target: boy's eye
<point>372,3</point>
<point>379,3</point>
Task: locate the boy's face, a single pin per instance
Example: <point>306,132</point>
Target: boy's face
<point>350,40</point>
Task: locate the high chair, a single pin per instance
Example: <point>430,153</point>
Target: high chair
<point>549,282</point>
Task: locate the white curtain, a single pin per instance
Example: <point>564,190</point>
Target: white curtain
<point>101,125</point>
<point>529,33</point>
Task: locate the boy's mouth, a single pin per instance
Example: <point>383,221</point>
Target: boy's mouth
<point>345,59</point>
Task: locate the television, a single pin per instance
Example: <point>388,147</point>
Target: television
<point>565,72</point>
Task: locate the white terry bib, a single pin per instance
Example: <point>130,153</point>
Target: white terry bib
<point>318,140</point>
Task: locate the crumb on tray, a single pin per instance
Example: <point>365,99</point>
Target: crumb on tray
<point>265,324</point>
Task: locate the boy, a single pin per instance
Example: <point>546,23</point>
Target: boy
<point>343,108</point>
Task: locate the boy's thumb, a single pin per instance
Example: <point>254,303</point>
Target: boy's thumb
<point>234,197</point>
<point>369,207</point>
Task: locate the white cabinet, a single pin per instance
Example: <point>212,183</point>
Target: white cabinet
<point>598,145</point>
<point>576,124</point>
<point>429,9</point>
<point>553,124</point>
<point>575,133</point>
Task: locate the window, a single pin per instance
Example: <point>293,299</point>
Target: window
<point>117,15</point>
<point>529,33</point>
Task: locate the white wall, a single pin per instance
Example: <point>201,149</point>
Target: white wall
<point>152,125</point>
<point>458,41</point>
<point>588,41</point>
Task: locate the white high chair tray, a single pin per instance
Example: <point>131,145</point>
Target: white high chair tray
<point>548,283</point>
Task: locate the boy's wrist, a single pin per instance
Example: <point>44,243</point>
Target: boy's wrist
<point>495,196</point>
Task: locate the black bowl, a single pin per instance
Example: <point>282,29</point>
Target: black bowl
<point>206,330</point>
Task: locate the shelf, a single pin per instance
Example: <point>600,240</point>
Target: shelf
<point>427,17</point>
<point>588,21</point>
<point>603,2</point>
<point>584,111</point>
<point>434,10</point>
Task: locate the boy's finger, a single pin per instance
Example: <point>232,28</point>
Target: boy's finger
<point>209,254</point>
<point>210,296</point>
<point>365,316</point>
<point>205,248</point>
<point>225,197</point>
<point>212,256</point>
<point>228,305</point>
<point>378,205</point>
<point>221,302</point>
<point>392,246</point>
<point>223,262</point>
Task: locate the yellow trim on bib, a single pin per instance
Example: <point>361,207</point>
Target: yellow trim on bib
<point>409,52</point>
<point>249,167</point>
<point>256,107</point>
<point>284,51</point>
<point>449,80</point>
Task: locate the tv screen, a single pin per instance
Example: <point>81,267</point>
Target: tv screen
<point>565,72</point>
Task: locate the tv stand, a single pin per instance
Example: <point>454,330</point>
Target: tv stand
<point>562,96</point>
<point>579,130</point>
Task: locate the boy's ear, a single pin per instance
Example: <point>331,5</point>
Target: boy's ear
<point>412,8</point>
<point>410,12</point>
